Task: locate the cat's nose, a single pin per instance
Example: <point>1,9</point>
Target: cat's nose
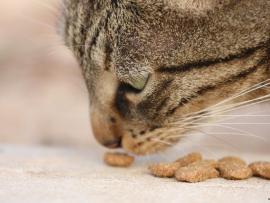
<point>114,144</point>
<point>106,129</point>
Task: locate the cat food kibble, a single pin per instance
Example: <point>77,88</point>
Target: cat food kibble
<point>118,159</point>
<point>188,159</point>
<point>192,168</point>
<point>261,168</point>
<point>164,169</point>
<point>168,169</point>
<point>229,159</point>
<point>197,171</point>
<point>234,168</point>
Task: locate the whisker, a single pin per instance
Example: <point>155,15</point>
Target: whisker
<point>232,116</point>
<point>195,129</point>
<point>232,150</point>
<point>240,104</point>
<point>253,88</point>
<point>232,146</point>
<point>37,22</point>
<point>233,123</point>
<point>225,107</point>
<point>242,115</point>
<point>241,93</point>
<point>56,49</point>
<point>228,108</point>
<point>234,107</point>
<point>244,133</point>
<point>204,124</point>
<point>47,6</point>
<point>161,141</point>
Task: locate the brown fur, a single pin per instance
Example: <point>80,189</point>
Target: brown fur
<point>197,53</point>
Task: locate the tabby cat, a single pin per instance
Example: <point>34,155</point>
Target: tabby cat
<point>155,68</point>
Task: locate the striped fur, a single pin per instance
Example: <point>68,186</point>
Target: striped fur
<point>197,53</point>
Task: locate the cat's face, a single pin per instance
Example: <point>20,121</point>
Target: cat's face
<point>155,68</point>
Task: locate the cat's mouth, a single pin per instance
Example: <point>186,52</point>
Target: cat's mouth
<point>152,142</point>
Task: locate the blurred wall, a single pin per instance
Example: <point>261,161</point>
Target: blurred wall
<point>43,99</point>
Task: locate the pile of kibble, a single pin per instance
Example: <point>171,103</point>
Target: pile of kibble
<point>193,168</point>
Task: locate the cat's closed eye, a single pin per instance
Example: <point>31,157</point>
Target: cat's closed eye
<point>140,81</point>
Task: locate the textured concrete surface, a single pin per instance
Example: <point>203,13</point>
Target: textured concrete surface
<point>38,174</point>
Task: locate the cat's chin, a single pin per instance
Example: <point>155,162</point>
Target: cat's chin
<point>146,147</point>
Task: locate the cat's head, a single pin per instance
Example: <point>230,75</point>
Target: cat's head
<point>154,67</point>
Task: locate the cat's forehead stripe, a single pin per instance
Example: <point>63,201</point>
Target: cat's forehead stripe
<point>209,62</point>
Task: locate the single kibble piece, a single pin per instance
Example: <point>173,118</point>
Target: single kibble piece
<point>164,169</point>
<point>188,159</point>
<point>233,159</point>
<point>197,171</point>
<point>206,163</point>
<point>234,168</point>
<point>261,168</point>
<point>118,159</point>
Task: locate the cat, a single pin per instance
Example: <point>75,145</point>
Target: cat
<point>155,69</point>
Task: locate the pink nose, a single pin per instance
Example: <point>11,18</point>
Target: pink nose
<point>106,129</point>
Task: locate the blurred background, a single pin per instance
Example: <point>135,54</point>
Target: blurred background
<point>43,99</point>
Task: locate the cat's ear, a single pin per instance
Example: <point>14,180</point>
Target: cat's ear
<point>196,5</point>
